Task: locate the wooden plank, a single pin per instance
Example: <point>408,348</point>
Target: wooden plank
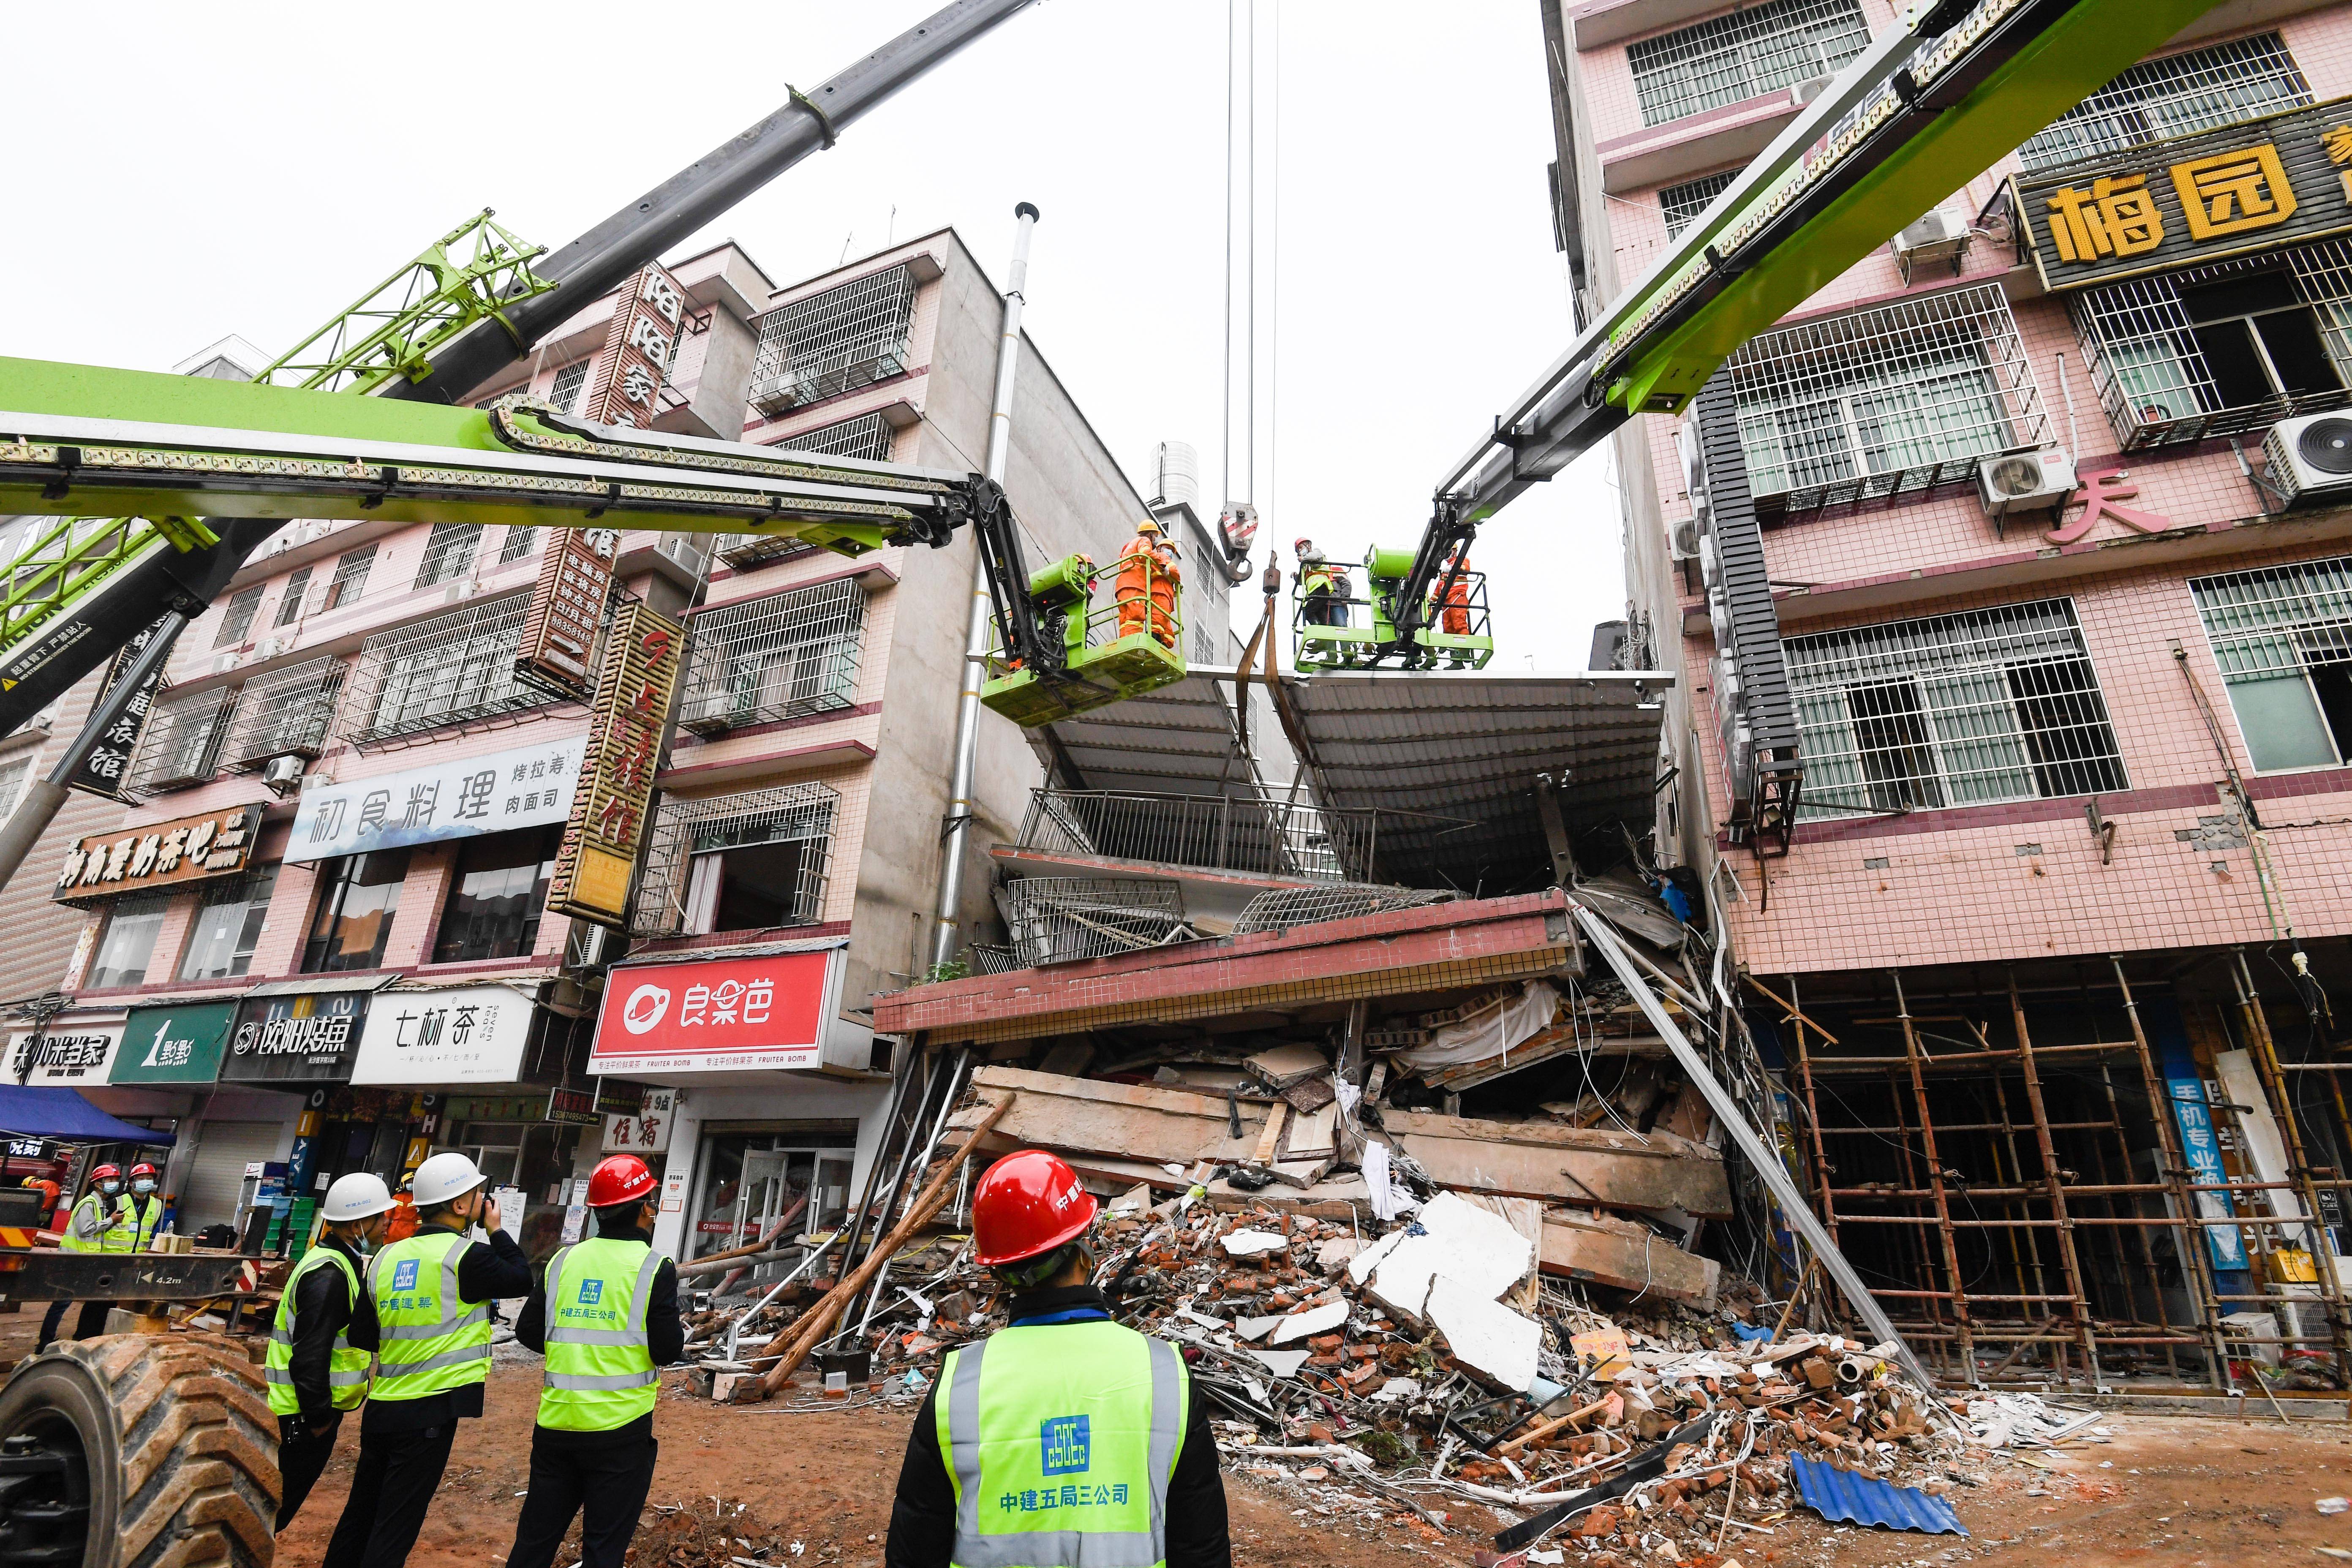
<point>1313,1135</point>
<point>1124,1122</point>
<point>1632,1179</point>
<point>1269,1141</point>
<point>1627,1261</point>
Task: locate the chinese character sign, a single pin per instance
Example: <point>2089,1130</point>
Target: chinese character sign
<point>720,1015</point>
<point>2201,1148</point>
<point>63,1054</point>
<point>567,607</point>
<point>307,1038</point>
<point>645,1133</point>
<point>626,731</point>
<point>529,786</point>
<point>640,348</point>
<point>472,1034</point>
<point>2231,193</point>
<point>186,850</point>
<point>101,771</point>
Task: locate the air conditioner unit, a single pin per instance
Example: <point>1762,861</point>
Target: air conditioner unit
<point>465,588</point>
<point>2025,484</point>
<point>1936,237</point>
<point>227,661</point>
<point>1812,87</point>
<point>283,774</point>
<point>2310,458</point>
<point>270,647</point>
<point>1684,538</point>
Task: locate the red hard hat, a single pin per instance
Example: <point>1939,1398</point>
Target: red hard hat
<point>105,1170</point>
<point>144,1169</point>
<point>618,1180</point>
<point>1028,1203</point>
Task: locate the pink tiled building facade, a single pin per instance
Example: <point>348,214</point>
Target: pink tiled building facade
<point>2057,655</point>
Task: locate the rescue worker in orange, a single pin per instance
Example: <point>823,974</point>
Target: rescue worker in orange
<point>1144,588</point>
<point>1455,618</point>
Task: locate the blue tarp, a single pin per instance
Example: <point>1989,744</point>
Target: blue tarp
<point>30,1111</point>
<point>1864,1500</point>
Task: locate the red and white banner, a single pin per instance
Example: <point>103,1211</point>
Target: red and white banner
<point>727,1014</point>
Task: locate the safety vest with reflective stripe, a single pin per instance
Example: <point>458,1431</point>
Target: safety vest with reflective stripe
<point>347,1369</point>
<point>86,1228</point>
<point>432,1339</point>
<point>1059,1440</point>
<point>600,1371</point>
<point>135,1219</point>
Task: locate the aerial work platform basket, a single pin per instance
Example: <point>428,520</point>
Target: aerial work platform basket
<point>1127,646</point>
<point>1341,630</point>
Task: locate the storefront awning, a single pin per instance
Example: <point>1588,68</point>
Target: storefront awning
<point>33,1112</point>
<point>320,984</point>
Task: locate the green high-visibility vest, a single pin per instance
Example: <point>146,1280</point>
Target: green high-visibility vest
<point>600,1372</point>
<point>86,1227</point>
<point>433,1338</point>
<point>134,1222</point>
<point>347,1369</point>
<point>1060,1440</point>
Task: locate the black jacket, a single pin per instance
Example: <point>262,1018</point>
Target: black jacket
<point>323,1308</point>
<point>665,1338</point>
<point>923,1514</point>
<point>496,1272</point>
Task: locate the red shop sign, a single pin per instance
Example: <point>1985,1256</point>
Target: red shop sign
<point>727,1014</point>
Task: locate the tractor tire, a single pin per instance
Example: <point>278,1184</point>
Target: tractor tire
<point>137,1451</point>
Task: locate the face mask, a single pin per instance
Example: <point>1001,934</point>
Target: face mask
<point>143,1186</point>
<point>111,1189</point>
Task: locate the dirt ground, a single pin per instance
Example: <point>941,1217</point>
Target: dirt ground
<point>2172,1491</point>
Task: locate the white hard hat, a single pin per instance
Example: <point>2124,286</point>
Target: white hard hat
<point>356,1197</point>
<point>443,1177</point>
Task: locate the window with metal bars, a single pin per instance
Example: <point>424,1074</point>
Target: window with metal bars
<point>284,713</point>
<point>448,552</point>
<point>181,744</point>
<point>740,862</point>
<point>2221,350</point>
<point>1730,59</point>
<point>228,928</point>
<point>2195,90</point>
<point>1684,203</point>
<point>1900,398</point>
<point>289,602</point>
<point>570,385</point>
<point>1961,710</point>
<point>520,543</point>
<point>2282,639</point>
<point>243,605</point>
<point>776,658</point>
<point>349,579</point>
<point>845,338</point>
<point>12,779</point>
<point>452,669</point>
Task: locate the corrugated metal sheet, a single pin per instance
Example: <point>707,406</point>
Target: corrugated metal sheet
<point>1864,1499</point>
<point>1178,740</point>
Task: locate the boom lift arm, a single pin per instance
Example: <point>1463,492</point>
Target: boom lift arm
<point>1928,107</point>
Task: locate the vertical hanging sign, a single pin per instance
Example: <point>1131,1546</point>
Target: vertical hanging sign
<point>567,605</point>
<point>639,349</point>
<point>101,771</point>
<point>607,827</point>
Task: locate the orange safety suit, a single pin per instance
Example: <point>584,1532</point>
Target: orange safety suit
<point>1145,589</point>
<point>1457,616</point>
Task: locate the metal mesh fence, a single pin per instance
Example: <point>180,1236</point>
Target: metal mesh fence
<point>285,711</point>
<point>181,744</point>
<point>451,669</point>
<point>1287,907</point>
<point>1060,919</point>
<point>1963,709</point>
<point>2195,90</point>
<point>829,344</point>
<point>448,552</point>
<point>782,657</point>
<point>868,435</point>
<point>1727,59</point>
<point>788,833</point>
<point>1215,832</point>
<point>1881,402</point>
<point>2144,346</point>
<point>1685,201</point>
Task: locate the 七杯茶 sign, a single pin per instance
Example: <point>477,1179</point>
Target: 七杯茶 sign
<point>473,1034</point>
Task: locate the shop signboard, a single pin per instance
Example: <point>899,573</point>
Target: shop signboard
<point>76,1055</point>
<point>308,1038</point>
<point>2201,1146</point>
<point>159,855</point>
<point>473,1034</point>
<point>529,786</point>
<point>2187,201</point>
<point>573,1107</point>
<point>727,1015</point>
<point>175,1045</point>
<point>625,727</point>
<point>644,1131</point>
<point>567,607</point>
<point>108,763</point>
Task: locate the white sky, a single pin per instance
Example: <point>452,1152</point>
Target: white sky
<point>250,169</point>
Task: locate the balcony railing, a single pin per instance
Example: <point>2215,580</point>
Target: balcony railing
<point>451,669</point>
<point>836,341</point>
<point>285,712</point>
<point>782,657</point>
<point>1214,833</point>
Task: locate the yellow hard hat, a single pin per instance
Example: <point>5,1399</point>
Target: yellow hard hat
<point>1149,525</point>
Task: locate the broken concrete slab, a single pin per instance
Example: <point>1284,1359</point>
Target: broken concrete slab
<point>1453,1237</point>
<point>1252,1243</point>
<point>1333,1255</point>
<point>1313,1320</point>
<point>1360,1267</point>
<point>1570,1165</point>
<point>1283,1066</point>
<point>1283,1363</point>
<point>1485,1335</point>
<point>1117,1121</point>
<point>1627,1257</point>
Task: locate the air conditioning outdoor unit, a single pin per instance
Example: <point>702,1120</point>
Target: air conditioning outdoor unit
<point>2310,458</point>
<point>2025,484</point>
<point>1812,87</point>
<point>283,774</point>
<point>1686,540</point>
<point>226,661</point>
<point>1936,237</point>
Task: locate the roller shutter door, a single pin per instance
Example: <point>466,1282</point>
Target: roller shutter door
<point>208,1195</point>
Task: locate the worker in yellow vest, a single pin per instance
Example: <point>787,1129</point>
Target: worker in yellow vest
<point>137,1213</point>
<point>432,1294</point>
<point>326,1329</point>
<point>86,1230</point>
<point>1064,1440</point>
<point>606,1316</point>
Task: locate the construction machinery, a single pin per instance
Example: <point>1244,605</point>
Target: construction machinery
<point>1343,631</point>
<point>1081,656</point>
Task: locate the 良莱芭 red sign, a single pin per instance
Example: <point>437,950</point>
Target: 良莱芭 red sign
<point>721,1016</point>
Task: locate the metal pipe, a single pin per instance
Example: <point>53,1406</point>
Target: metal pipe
<point>45,796</point>
<point>697,195</point>
<point>921,1157</point>
<point>909,1063</point>
<point>980,624</point>
<point>735,1329</point>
